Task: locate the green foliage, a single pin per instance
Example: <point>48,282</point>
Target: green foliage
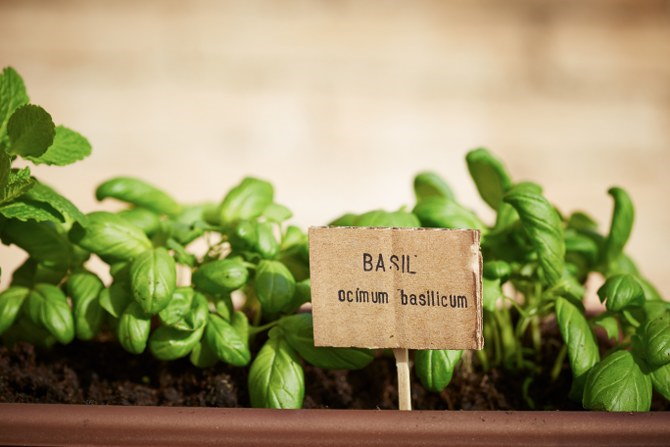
<point>276,379</point>
<point>582,347</point>
<point>220,276</point>
<point>47,306</point>
<point>621,226</point>
<point>168,343</point>
<point>656,339</point>
<point>298,331</point>
<point>618,383</point>
<point>226,342</point>
<point>153,278</point>
<point>68,147</point>
<point>139,193</point>
<point>435,368</point>
<point>133,329</point>
<point>247,200</point>
<point>31,131</point>
<point>489,175</point>
<point>84,288</point>
<point>543,227</point>
<point>275,287</point>
<point>110,236</point>
<point>621,291</point>
<point>11,301</point>
<point>252,275</point>
<point>429,184</point>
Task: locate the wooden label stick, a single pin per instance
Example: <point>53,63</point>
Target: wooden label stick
<point>404,389</point>
<point>398,288</point>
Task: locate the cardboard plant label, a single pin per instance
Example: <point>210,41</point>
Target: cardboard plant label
<point>413,288</point>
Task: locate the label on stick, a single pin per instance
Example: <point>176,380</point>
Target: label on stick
<point>413,288</point>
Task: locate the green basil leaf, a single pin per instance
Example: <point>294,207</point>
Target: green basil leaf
<point>381,218</point>
<point>492,293</point>
<point>12,96</point>
<point>583,245</point>
<point>202,355</point>
<point>266,243</point>
<point>621,292</point>
<point>186,311</point>
<point>110,236</point>
<point>617,383</point>
<point>582,347</point>
<point>221,276</point>
<point>346,220</point>
<point>440,212</point>
<point>275,287</point>
<point>430,184</point>
<point>168,343</point>
<point>276,379</point>
<point>623,216</point>
<point>489,175</point>
<point>84,289</point>
<point>650,292</point>
<point>298,330</point>
<point>244,235</point>
<point>18,182</point>
<point>139,193</point>
<point>224,307</point>
<point>240,323</point>
<point>31,131</point>
<point>11,301</point>
<point>153,279</point>
<point>47,306</point>
<point>277,213</point>
<point>436,367</point>
<point>133,329</point>
<point>544,228</point>
<point>581,221</point>
<point>660,378</point>
<point>656,338</point>
<point>115,299</point>
<point>44,242</point>
<point>247,200</point>
<point>25,330</point>
<point>497,270</point>
<point>293,238</point>
<point>568,287</point>
<point>32,272</point>
<point>303,293</point>
<point>226,342</point>
<point>142,218</point>
<point>609,323</point>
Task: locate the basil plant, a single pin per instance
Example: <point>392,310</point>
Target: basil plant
<point>224,282</point>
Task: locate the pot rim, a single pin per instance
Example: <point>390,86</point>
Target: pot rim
<point>49,424</point>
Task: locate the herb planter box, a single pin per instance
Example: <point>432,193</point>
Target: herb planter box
<point>543,256</point>
<point>34,424</point>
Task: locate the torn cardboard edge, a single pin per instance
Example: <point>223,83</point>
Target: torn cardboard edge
<point>403,313</point>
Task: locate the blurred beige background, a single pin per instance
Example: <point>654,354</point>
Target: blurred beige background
<point>339,103</point>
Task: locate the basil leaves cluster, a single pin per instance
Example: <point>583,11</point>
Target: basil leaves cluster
<point>225,281</point>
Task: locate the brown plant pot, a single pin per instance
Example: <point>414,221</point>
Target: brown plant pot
<point>42,424</point>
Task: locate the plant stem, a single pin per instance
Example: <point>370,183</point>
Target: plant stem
<point>253,330</point>
<point>558,364</point>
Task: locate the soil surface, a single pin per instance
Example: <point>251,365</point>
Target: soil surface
<point>101,372</point>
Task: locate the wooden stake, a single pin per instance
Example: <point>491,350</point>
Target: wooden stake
<point>404,391</point>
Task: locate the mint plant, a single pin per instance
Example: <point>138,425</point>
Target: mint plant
<point>176,300</point>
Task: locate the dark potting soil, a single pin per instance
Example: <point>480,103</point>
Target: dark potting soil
<point>102,373</point>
